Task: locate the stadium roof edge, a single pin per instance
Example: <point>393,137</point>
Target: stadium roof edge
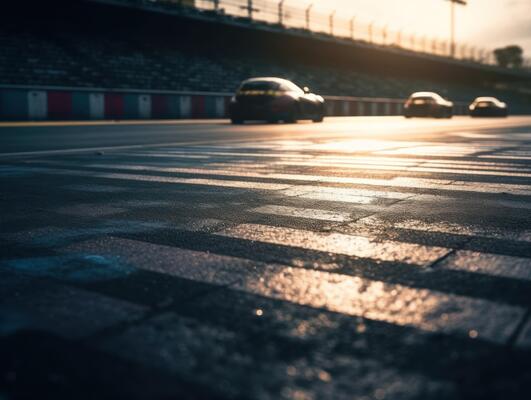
<point>243,22</point>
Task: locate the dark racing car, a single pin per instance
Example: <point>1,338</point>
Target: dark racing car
<point>428,104</point>
<point>274,99</point>
<point>488,107</point>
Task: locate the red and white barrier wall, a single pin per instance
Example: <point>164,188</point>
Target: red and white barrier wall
<point>50,103</point>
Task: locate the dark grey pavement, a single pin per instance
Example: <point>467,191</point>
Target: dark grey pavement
<point>362,258</point>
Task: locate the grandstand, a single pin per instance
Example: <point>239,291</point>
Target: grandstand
<point>95,45</point>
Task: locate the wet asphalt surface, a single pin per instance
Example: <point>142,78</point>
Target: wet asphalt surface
<point>362,258</point>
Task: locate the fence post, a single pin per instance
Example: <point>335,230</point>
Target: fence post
<point>307,14</point>
<point>280,6</point>
<point>332,22</point>
<point>482,57</point>
<point>249,9</point>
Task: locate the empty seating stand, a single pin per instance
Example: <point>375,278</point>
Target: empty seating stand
<point>87,57</point>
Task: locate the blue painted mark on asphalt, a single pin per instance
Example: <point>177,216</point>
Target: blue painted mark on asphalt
<point>12,322</point>
<point>81,268</point>
<point>96,188</point>
<point>49,237</point>
<point>7,171</point>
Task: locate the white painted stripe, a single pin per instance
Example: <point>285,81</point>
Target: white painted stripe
<point>524,339</point>
<point>406,182</point>
<point>522,157</point>
<point>468,172</point>
<point>357,246</point>
<point>323,193</point>
<point>364,162</point>
<point>185,106</point>
<point>196,181</point>
<point>489,264</point>
<point>442,227</point>
<point>383,160</point>
<point>408,167</point>
<point>358,196</point>
<point>219,106</point>
<point>159,179</point>
<point>170,153</point>
<point>438,150</point>
<point>173,155</point>
<point>37,104</point>
<point>482,187</point>
<point>397,182</point>
<point>362,166</point>
<point>144,106</point>
<point>396,304</point>
<point>310,213</point>
<point>96,105</point>
<point>423,309</point>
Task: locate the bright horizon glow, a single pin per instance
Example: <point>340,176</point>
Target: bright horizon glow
<point>483,23</point>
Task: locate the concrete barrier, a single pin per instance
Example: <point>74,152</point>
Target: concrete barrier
<point>63,103</point>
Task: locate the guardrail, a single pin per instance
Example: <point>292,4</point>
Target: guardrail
<point>66,103</point>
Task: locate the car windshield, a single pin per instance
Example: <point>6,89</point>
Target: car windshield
<point>486,100</point>
<point>288,86</point>
<point>260,85</point>
<point>422,99</point>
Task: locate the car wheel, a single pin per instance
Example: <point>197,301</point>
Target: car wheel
<point>292,116</point>
<point>320,118</point>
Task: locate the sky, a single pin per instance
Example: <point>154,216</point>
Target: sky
<point>484,23</point>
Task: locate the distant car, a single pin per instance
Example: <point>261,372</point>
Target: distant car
<point>273,100</point>
<point>488,107</point>
<point>428,104</point>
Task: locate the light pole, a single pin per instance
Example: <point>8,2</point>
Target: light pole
<point>452,23</point>
<point>280,6</point>
<point>307,12</point>
<point>332,22</point>
<point>352,20</point>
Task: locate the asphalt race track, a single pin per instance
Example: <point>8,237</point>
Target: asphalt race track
<point>361,258</point>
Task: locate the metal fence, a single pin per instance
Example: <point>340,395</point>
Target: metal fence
<point>293,14</point>
<point>290,14</point>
